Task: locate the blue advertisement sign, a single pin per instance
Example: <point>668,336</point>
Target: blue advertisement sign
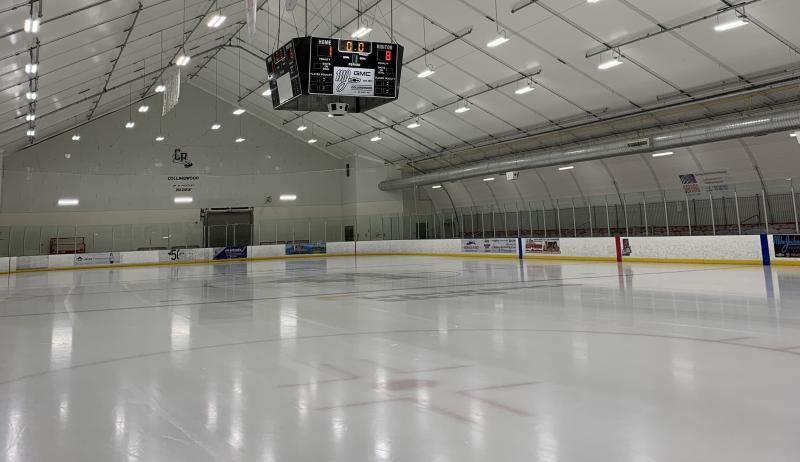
<point>307,249</point>
<point>227,253</point>
<point>786,245</point>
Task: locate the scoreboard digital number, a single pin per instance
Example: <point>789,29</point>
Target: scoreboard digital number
<point>360,73</point>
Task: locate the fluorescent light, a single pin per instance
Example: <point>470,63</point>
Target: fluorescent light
<point>302,128</point>
<point>130,124</point>
<point>312,141</point>
<point>461,109</point>
<point>361,31</point>
<point>183,200</point>
<point>569,167</point>
<point>31,132</point>
<point>376,138</point>
<point>239,140</point>
<point>160,138</point>
<point>731,25</point>
<point>160,88</point>
<point>426,73</point>
<point>592,1</point>
<point>31,68</point>
<point>216,20</point>
<point>663,154</point>
<point>609,64</point>
<point>144,108</point>
<point>267,92</point>
<point>76,137</point>
<point>182,60</point>
<point>794,135</point>
<point>216,126</point>
<point>498,41</point>
<point>413,125</point>
<point>31,95</point>
<point>68,202</point>
<point>491,178</point>
<point>525,89</point>
<point>238,111</point>
<point>330,116</point>
<point>288,197</point>
<point>67,155</point>
<point>30,117</point>
<point>31,25</point>
<point>436,186</point>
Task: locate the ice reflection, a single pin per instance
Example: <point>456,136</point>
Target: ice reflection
<point>61,341</point>
<point>580,351</point>
<point>63,409</point>
<point>682,366</point>
<point>180,333</point>
<point>288,321</point>
<point>14,434</point>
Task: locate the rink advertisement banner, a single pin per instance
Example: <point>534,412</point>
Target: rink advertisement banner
<point>489,245</point>
<point>786,246</point>
<point>307,249</point>
<point>227,253</point>
<point>542,246</point>
<point>106,258</point>
<point>165,256</point>
<point>708,182</point>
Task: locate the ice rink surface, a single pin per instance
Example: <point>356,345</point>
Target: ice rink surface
<point>403,359</point>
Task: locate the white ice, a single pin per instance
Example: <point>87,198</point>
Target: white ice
<point>402,359</point>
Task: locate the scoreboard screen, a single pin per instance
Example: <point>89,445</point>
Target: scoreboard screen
<point>309,72</point>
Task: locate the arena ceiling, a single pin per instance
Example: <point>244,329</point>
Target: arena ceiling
<point>96,56</point>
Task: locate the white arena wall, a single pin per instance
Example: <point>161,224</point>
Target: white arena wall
<point>698,249</point>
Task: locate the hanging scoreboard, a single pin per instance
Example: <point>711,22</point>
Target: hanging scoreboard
<point>309,73</point>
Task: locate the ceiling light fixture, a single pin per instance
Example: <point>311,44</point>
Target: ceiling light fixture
<point>31,95</point>
<point>491,178</point>
<point>31,132</point>
<point>216,126</point>
<point>663,154</point>
<point>31,25</point>
<point>376,138</point>
<point>302,128</point>
<point>614,62</point>
<point>76,137</point>
<point>216,20</point>
<point>238,111</point>
<point>462,109</point>
<point>183,200</point>
<point>182,60</point>
<point>569,167</point>
<point>526,89</point>
<point>68,202</point>
<point>267,92</point>
<point>312,141</point>
<point>436,186</point>
<point>361,31</point>
<point>498,41</point>
<point>130,124</point>
<point>160,88</point>
<point>426,73</point>
<point>414,124</point>
<point>160,138</point>
<point>144,108</point>
<point>288,197</point>
<point>30,117</point>
<point>31,68</point>
<point>725,26</point>
<point>239,140</point>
